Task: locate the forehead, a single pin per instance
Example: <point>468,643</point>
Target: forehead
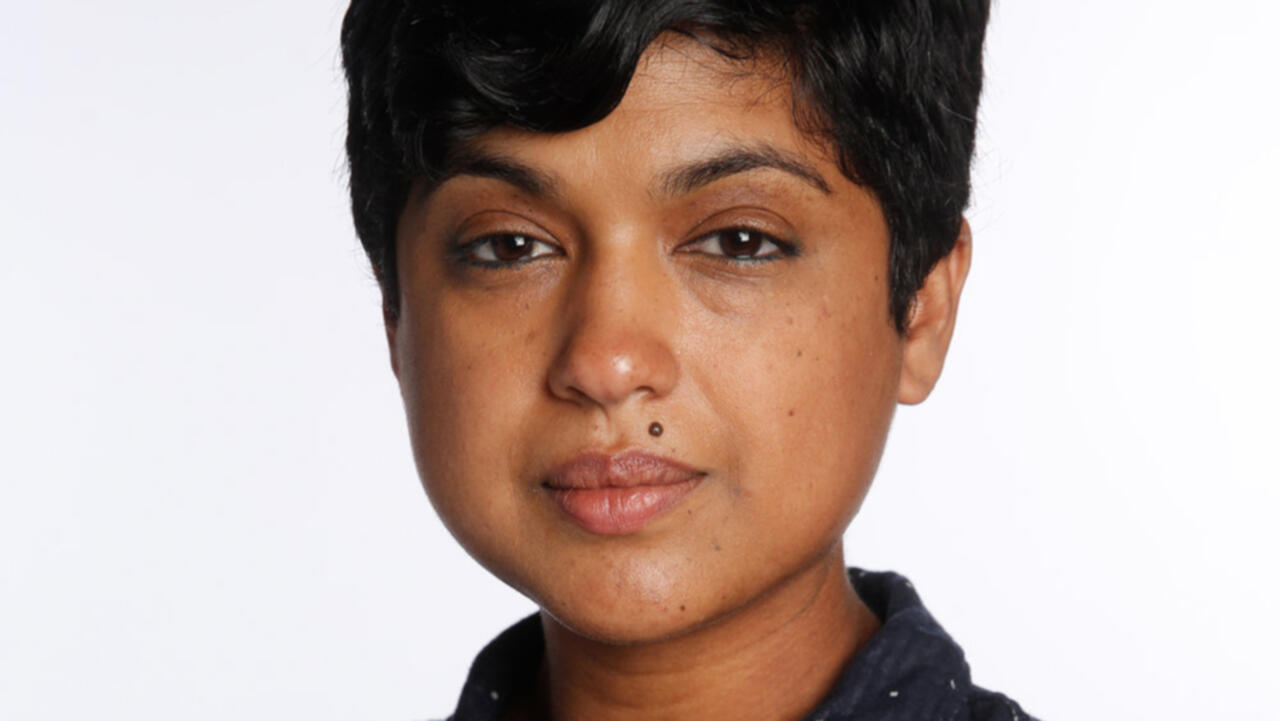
<point>685,101</point>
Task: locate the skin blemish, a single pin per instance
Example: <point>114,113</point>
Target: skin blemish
<point>682,607</point>
<point>799,354</point>
<point>716,545</point>
<point>791,412</point>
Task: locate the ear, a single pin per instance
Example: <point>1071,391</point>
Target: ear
<point>933,318</point>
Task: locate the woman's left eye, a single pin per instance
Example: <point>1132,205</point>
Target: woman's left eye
<point>740,244</point>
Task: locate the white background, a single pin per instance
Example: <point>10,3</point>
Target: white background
<point>207,504</point>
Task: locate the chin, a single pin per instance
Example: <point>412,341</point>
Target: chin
<point>628,603</point>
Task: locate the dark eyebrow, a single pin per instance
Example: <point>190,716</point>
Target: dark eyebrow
<point>480,163</point>
<point>688,178</point>
<point>677,181</point>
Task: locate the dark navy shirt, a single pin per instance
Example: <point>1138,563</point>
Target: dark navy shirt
<point>911,670</point>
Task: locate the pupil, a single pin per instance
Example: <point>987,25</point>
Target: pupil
<point>511,247</point>
<point>740,243</point>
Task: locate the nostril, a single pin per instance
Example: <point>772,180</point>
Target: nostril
<point>577,395</point>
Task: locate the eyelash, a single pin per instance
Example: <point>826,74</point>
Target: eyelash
<point>466,252</point>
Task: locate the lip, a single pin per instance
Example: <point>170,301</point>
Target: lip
<point>613,495</point>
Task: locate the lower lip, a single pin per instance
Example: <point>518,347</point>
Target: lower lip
<point>618,511</point>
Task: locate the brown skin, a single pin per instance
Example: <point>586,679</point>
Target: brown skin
<point>776,377</point>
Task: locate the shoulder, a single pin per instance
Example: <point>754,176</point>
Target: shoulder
<point>984,705</point>
<point>913,662</point>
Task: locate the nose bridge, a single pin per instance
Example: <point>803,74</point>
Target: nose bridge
<point>617,343</point>
<point>615,285</point>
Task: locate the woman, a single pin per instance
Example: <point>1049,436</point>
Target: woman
<point>655,277</point>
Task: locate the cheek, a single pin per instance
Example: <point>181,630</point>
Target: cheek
<point>808,413</point>
<point>464,403</point>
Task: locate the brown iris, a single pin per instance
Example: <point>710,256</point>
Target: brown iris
<point>510,248</point>
<point>740,243</point>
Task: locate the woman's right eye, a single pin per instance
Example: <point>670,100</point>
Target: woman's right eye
<point>506,249</point>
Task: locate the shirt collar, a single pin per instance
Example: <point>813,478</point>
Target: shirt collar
<point>911,669</point>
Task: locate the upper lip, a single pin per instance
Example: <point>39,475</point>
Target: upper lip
<point>622,470</point>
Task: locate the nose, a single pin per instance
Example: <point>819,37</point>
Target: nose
<point>618,339</point>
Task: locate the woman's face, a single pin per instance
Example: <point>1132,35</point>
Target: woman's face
<point>692,260</point>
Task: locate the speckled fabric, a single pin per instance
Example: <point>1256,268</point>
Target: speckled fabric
<point>910,671</point>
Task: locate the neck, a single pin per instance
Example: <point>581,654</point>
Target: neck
<point>773,659</point>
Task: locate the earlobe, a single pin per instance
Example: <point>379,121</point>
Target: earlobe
<point>390,323</point>
<point>933,319</point>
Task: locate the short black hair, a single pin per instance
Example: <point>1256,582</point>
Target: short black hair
<point>891,85</point>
